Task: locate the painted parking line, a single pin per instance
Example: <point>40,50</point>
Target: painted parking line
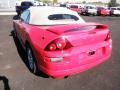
<point>8,13</point>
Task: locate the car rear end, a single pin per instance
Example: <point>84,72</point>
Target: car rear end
<point>24,5</point>
<point>105,12</point>
<point>76,49</point>
<point>75,8</point>
<point>90,10</point>
<point>115,11</point>
<point>18,10</point>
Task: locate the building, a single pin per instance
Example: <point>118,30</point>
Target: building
<point>7,3</point>
<point>118,1</point>
<point>10,3</point>
<point>80,1</point>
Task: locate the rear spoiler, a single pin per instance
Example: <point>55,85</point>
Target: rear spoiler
<point>59,29</point>
<point>88,26</point>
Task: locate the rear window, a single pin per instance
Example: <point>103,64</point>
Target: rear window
<point>118,8</point>
<point>73,6</point>
<point>100,8</point>
<point>62,5</point>
<point>113,8</point>
<point>90,7</point>
<point>62,17</point>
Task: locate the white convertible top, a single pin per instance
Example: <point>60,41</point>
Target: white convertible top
<point>39,16</point>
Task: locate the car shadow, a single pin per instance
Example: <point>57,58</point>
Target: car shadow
<point>22,54</point>
<point>5,82</point>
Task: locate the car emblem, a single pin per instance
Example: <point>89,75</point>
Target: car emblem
<point>91,53</point>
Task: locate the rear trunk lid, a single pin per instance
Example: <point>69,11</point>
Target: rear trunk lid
<point>84,34</point>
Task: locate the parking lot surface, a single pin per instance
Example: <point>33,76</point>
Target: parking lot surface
<point>14,74</point>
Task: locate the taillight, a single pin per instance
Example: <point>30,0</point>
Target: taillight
<point>58,44</point>
<point>61,43</point>
<point>108,37</point>
<point>52,47</point>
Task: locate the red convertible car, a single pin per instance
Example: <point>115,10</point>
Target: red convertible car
<point>60,43</point>
<point>104,11</point>
<point>75,7</point>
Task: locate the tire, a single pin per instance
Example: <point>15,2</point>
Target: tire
<point>32,64</point>
<point>15,33</point>
<point>94,14</point>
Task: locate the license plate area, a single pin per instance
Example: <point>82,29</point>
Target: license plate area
<point>90,55</point>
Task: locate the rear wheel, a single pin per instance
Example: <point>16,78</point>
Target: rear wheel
<point>32,63</point>
<point>15,33</point>
<point>31,60</point>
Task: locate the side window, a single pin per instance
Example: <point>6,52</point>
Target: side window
<point>28,18</point>
<point>74,6</point>
<point>25,16</point>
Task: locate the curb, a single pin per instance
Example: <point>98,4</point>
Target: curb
<point>8,13</point>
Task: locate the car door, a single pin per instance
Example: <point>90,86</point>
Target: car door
<point>23,24</point>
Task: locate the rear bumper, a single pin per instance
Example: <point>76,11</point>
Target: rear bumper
<point>115,13</point>
<point>92,12</point>
<point>69,72</point>
<point>75,60</point>
<point>105,13</point>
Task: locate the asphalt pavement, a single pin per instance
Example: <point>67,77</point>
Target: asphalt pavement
<point>15,75</point>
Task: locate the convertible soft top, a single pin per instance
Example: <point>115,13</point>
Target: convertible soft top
<point>40,16</point>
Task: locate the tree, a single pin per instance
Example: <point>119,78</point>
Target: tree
<point>45,1</point>
<point>55,1</point>
<point>112,3</point>
<point>84,2</point>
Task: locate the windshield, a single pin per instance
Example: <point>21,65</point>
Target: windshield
<point>90,7</point>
